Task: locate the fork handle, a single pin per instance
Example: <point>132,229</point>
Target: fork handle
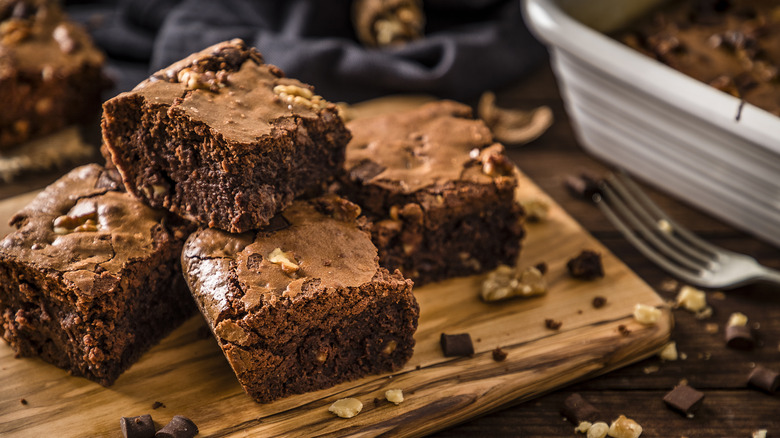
<point>770,275</point>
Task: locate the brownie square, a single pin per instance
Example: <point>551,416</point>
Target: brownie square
<point>223,139</point>
<point>91,277</point>
<point>302,304</point>
<point>50,72</point>
<point>439,191</point>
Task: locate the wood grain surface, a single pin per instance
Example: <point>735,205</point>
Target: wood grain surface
<point>189,375</point>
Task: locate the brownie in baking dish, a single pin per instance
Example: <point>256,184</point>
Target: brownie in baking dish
<point>50,72</point>
<point>302,304</point>
<point>223,139</point>
<point>733,46</point>
<point>91,277</point>
<point>439,191</point>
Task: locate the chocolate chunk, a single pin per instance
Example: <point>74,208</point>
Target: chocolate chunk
<point>582,186</point>
<point>179,427</point>
<point>576,409</point>
<point>137,427</point>
<point>552,324</point>
<point>764,378</point>
<point>685,399</point>
<point>586,266</point>
<point>457,345</point>
<point>499,355</point>
<point>599,302</point>
<point>739,337</point>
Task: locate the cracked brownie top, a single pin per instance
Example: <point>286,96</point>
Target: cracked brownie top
<point>85,227</point>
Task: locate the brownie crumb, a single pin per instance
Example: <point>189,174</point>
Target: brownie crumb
<point>157,405</point>
<point>541,267</point>
<point>586,266</point>
<point>377,402</point>
<point>23,401</point>
<point>552,324</point>
<point>499,355</point>
<point>624,330</point>
<point>599,302</point>
<point>418,367</point>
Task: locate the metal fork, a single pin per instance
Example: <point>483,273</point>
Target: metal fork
<point>672,247</point>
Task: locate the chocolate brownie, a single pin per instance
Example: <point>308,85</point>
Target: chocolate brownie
<point>439,191</point>
<point>50,72</point>
<point>223,139</point>
<point>302,304</point>
<point>91,277</point>
<point>732,45</point>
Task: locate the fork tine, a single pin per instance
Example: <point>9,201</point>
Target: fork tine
<point>639,243</point>
<point>618,202</point>
<point>641,203</point>
<point>693,239</point>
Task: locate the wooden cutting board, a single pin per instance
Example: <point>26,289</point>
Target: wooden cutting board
<point>189,375</point>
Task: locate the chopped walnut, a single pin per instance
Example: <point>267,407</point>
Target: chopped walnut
<point>647,315</point>
<point>285,259</point>
<point>346,407</point>
<point>293,94</point>
<point>598,430</point>
<point>583,427</point>
<point>506,282</point>
<point>625,428</point>
<point>207,80</point>
<point>513,126</point>
<point>737,319</point>
<point>535,210</point>
<point>691,299</point>
<point>66,224</point>
<point>395,396</point>
<point>496,164</point>
<point>669,353</point>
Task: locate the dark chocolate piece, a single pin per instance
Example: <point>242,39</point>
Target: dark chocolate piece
<point>582,186</point>
<point>764,378</point>
<point>456,345</point>
<point>179,427</point>
<point>223,139</point>
<point>435,173</point>
<point>586,266</point>
<point>576,409</point>
<point>91,278</point>
<point>287,321</point>
<point>51,73</point>
<point>499,355</point>
<point>137,427</point>
<point>23,401</point>
<point>684,398</point>
<point>739,337</point>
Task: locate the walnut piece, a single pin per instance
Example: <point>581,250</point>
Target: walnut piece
<point>598,430</point>
<point>293,94</point>
<point>647,315</point>
<point>67,224</point>
<point>669,352</point>
<point>513,126</point>
<point>535,210</point>
<point>691,299</point>
<point>394,395</point>
<point>506,282</point>
<point>583,427</point>
<point>285,259</point>
<point>346,407</point>
<point>625,428</point>
<point>737,319</point>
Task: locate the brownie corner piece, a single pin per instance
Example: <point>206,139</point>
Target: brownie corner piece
<point>302,305</point>
<point>438,190</point>
<point>223,139</point>
<point>91,277</point>
<point>51,74</point>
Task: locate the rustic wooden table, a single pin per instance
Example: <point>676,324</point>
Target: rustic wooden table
<point>730,408</point>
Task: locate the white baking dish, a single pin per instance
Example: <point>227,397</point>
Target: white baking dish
<point>669,129</point>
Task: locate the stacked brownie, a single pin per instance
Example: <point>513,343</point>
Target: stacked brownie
<point>89,280</point>
<point>50,72</point>
<point>439,191</point>
<point>302,304</point>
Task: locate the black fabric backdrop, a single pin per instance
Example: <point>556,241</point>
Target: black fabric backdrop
<point>470,45</point>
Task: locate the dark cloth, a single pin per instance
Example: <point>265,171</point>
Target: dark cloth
<point>470,45</point>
